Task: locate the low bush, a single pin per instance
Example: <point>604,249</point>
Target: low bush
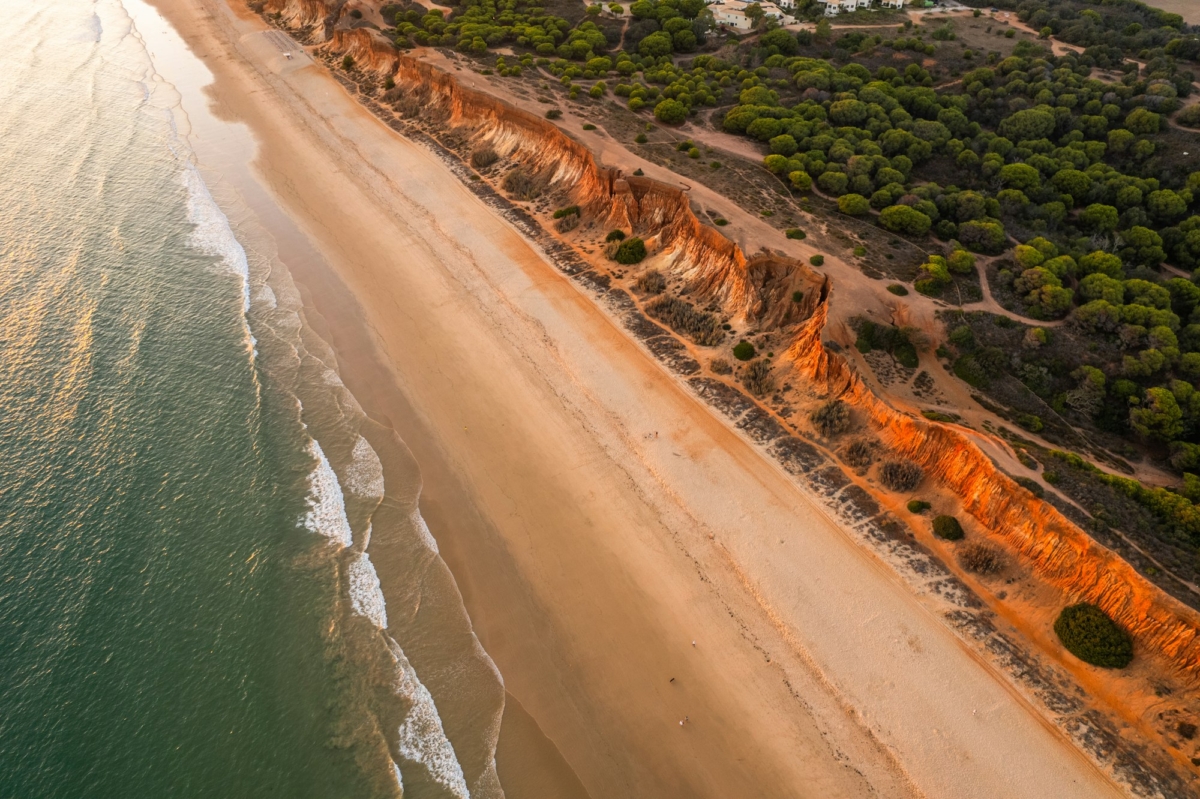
<point>652,282</point>
<point>758,378</point>
<point>615,235</point>
<point>567,223</point>
<point>831,418</point>
<point>631,251</point>
<point>900,475</point>
<point>898,290</point>
<point>588,126</point>
<point>348,63</point>
<point>553,113</point>
<point>701,327</point>
<point>894,341</point>
<point>720,366</point>
<point>948,528</point>
<point>918,506</point>
<point>523,185</point>
<point>1090,635</point>
<point>796,233</point>
<point>817,260</point>
<point>641,138</point>
<point>743,351</point>
<point>859,455</point>
<point>797,296</point>
<point>1033,486</point>
<point>980,558</point>
<point>484,157</point>
<point>568,211</point>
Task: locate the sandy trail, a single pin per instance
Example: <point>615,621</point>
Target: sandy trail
<point>597,518</point>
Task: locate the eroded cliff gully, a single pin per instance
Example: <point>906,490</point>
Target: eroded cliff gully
<point>759,288</point>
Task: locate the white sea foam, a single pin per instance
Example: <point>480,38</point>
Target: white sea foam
<point>399,778</point>
<point>326,507</point>
<point>212,234</point>
<point>418,523</point>
<point>364,476</point>
<point>422,737</point>
<point>266,297</point>
<point>366,597</point>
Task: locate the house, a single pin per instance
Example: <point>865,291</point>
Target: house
<point>835,7</point>
<point>732,14</point>
<point>727,16</point>
<point>893,3</point>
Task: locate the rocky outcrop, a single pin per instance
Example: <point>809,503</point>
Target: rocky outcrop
<point>314,17</point>
<point>1056,550</point>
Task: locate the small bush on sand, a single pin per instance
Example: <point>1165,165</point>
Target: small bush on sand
<point>980,558</point>
<point>817,260</point>
<point>918,506</point>
<point>701,327</point>
<point>948,528</point>
<point>652,282</point>
<point>831,418</point>
<point>743,351</point>
<point>615,235</point>
<point>553,113</point>
<point>631,251</point>
<point>567,223</point>
<point>348,63</point>
<point>484,157</point>
<point>860,454</point>
<point>720,366</point>
<point>1090,635</point>
<point>900,475</point>
<point>796,233</point>
<point>1033,485</point>
<point>568,211</point>
<point>523,185</point>
<point>898,290</point>
<point>758,378</point>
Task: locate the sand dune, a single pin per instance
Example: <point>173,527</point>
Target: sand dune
<point>597,518</point>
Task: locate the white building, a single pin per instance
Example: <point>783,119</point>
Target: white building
<point>835,7</point>
<point>893,3</point>
<point>732,14</point>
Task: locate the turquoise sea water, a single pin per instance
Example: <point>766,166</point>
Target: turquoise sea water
<point>186,605</point>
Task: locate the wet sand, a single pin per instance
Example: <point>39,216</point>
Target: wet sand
<point>597,518</point>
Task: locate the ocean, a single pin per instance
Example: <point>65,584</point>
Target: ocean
<point>187,597</point>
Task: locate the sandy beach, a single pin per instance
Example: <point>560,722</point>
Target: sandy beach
<point>628,560</point>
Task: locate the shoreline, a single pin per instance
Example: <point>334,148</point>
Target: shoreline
<point>591,720</point>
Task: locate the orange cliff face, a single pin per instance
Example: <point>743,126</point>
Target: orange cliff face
<point>314,16</point>
<point>1057,551</point>
<point>760,288</point>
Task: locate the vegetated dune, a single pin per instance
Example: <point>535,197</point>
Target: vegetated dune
<point>760,288</point>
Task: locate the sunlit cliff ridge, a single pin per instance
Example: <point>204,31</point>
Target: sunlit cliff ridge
<point>759,288</point>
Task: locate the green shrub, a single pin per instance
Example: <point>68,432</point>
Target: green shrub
<point>640,138</point>
<point>553,113</point>
<point>898,290</point>
<point>797,296</point>
<point>568,211</point>
<point>1090,635</point>
<point>588,126</point>
<point>796,233</point>
<point>817,260</point>
<point>948,528</point>
<point>743,351</point>
<point>631,251</point>
<point>348,62</point>
<point>918,506</point>
<point>615,235</point>
<point>1031,485</point>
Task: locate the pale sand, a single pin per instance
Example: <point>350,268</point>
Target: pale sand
<point>590,552</point>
